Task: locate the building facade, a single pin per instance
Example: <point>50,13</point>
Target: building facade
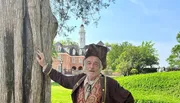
<point>70,57</point>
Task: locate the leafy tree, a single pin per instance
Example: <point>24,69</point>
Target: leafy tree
<point>174,58</point>
<point>148,55</point>
<point>114,53</point>
<point>124,63</point>
<point>85,10</point>
<point>25,27</point>
<point>125,56</point>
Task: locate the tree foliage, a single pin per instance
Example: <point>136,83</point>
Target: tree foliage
<point>148,54</point>
<point>174,58</point>
<point>85,10</point>
<point>116,50</point>
<point>68,41</point>
<point>123,57</point>
<point>54,52</point>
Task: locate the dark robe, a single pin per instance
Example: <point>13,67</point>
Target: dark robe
<point>112,92</point>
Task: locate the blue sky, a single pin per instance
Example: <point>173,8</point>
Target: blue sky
<point>136,21</point>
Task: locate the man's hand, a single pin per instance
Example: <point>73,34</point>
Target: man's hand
<point>40,58</point>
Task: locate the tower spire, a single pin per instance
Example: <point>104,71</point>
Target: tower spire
<point>82,36</point>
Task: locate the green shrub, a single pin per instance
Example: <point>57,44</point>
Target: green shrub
<point>134,71</point>
<point>149,70</point>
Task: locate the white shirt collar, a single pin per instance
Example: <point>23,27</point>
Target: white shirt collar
<point>90,82</point>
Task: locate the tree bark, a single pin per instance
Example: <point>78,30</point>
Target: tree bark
<point>25,26</point>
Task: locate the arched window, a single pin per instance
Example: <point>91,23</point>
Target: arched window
<point>80,68</point>
<point>73,68</point>
<point>80,52</point>
<point>59,48</point>
<point>74,51</point>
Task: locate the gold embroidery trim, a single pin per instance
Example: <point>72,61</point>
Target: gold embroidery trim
<point>105,89</point>
<point>49,71</point>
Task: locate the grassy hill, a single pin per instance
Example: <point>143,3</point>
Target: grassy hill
<point>153,88</point>
<point>146,88</point>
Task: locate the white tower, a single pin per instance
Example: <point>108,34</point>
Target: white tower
<point>82,36</point>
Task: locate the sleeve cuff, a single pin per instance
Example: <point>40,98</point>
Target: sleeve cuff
<point>48,69</point>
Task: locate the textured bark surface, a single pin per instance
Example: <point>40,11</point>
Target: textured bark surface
<point>25,26</point>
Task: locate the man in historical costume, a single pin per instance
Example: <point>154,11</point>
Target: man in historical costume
<point>90,86</point>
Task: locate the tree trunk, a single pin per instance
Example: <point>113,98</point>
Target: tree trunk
<point>25,26</point>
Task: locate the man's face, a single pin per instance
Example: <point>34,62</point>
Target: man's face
<point>92,67</point>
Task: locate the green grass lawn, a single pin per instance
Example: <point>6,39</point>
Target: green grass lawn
<point>60,94</point>
<point>146,88</point>
<point>154,87</point>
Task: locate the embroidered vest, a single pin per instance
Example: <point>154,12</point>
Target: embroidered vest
<point>93,97</point>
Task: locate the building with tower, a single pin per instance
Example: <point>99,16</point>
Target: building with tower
<point>70,57</point>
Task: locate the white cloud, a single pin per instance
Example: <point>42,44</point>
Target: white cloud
<point>142,5</point>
